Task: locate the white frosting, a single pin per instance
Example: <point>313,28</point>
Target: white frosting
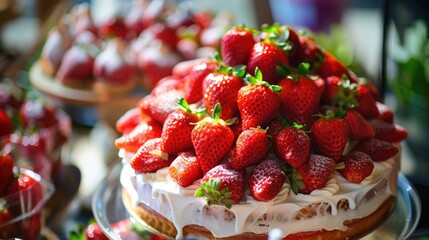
<point>178,204</point>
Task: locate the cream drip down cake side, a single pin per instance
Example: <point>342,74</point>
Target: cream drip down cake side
<point>273,133</point>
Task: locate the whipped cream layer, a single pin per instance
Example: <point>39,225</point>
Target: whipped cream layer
<point>326,208</point>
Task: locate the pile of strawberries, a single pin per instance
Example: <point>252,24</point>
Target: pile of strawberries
<point>145,40</point>
<point>274,107</point>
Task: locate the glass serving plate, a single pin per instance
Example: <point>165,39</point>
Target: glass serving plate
<point>108,208</point>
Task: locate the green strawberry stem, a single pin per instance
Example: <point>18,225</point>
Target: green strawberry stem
<point>346,95</point>
<point>258,79</point>
<point>210,191</point>
<point>277,35</point>
<point>183,104</point>
<point>294,177</point>
<point>237,71</point>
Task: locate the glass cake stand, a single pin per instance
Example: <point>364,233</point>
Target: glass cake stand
<point>108,208</point>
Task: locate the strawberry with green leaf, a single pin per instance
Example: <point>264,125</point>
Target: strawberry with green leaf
<point>357,166</point>
<point>292,145</point>
<point>299,97</point>
<point>266,180</point>
<point>177,128</point>
<point>150,158</point>
<point>236,44</point>
<point>222,185</point>
<point>251,148</point>
<point>258,102</point>
<point>222,87</point>
<point>329,135</point>
<point>185,169</point>
<point>212,139</point>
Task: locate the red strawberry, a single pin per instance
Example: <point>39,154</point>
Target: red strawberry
<point>366,103</point>
<point>251,148</point>
<point>37,113</point>
<point>193,90</point>
<point>359,127</point>
<point>340,92</point>
<point>299,98</point>
<point>5,123</point>
<point>222,185</point>
<point>237,128</point>
<point>258,102</point>
<point>236,45</point>
<point>389,132</point>
<point>358,166</point>
<point>177,128</point>
<point>185,169</point>
<point>164,33</point>
<point>32,226</point>
<point>212,140</point>
<point>266,180</point>
<point>378,150</point>
<point>150,158</point>
<point>292,145</point>
<point>182,69</point>
<point>275,127</point>
<point>76,67</point>
<point>122,227</point>
<point>386,113</point>
<point>167,84</point>
<point>114,26</point>
<point>8,231</point>
<point>266,57</point>
<point>30,188</point>
<point>6,173</point>
<point>144,131</point>
<point>315,172</point>
<point>329,136</point>
<point>129,120</point>
<point>330,66</point>
<point>222,87</point>
<point>160,106</point>
<point>309,51</point>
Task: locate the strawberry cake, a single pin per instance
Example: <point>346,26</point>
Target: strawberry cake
<point>275,133</point>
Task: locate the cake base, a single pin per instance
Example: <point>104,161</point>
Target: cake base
<point>357,227</point>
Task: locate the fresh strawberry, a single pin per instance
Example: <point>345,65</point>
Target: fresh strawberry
<point>144,131</point>
<point>222,185</point>
<point>292,145</point>
<point>329,136</point>
<point>266,180</point>
<point>237,128</point>
<point>160,106</point>
<point>357,166</point>
<point>251,148</point>
<point>321,85</point>
<point>359,127</point>
<point>122,227</point>
<point>330,66</point>
<point>236,45</point>
<point>212,140</point>
<point>366,103</point>
<point>275,127</point>
<point>30,188</point>
<point>167,84</point>
<point>315,172</point>
<point>37,113</point>
<point>309,51</point>
<point>177,128</point>
<point>93,231</point>
<point>193,90</point>
<point>150,157</point>
<point>294,41</point>
<point>164,33</point>
<point>299,98</point>
<point>32,226</point>
<point>9,230</point>
<point>182,69</point>
<point>185,169</point>
<point>386,113</point>
<point>6,173</point>
<point>76,67</point>
<point>114,26</point>
<point>389,132</point>
<point>266,57</point>
<point>258,102</point>
<point>378,150</point>
<point>340,92</point>
<point>5,123</point>
<point>129,120</point>
<point>222,87</point>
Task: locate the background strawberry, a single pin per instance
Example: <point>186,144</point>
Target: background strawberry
<point>330,66</point>
<point>144,131</point>
<point>185,169</point>
<point>30,188</point>
<point>167,84</point>
<point>150,158</point>
<point>8,231</point>
<point>359,127</point>
<point>5,123</point>
<point>292,145</point>
<point>258,102</point>
<point>6,173</point>
<point>128,121</point>
<point>212,140</point>
<point>158,107</point>
<point>386,113</point>
<point>235,46</point>
<point>378,150</point>
<point>329,136</point>
<point>251,148</point>
<point>357,166</point>
<point>366,102</point>
<point>222,185</point>
<point>389,132</point>
<point>266,180</point>
<point>309,51</point>
<point>315,172</point>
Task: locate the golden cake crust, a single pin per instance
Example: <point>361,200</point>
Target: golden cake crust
<point>357,227</point>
